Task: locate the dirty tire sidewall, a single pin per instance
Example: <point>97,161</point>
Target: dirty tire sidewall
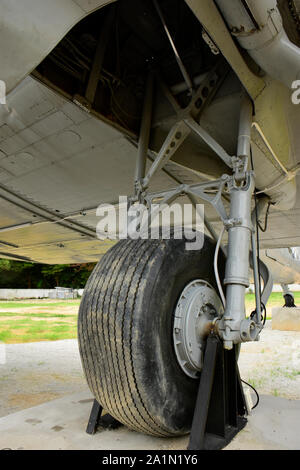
<point>151,392</point>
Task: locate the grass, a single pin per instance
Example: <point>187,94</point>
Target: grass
<point>39,315</point>
<point>291,374</point>
<point>49,321</point>
<point>5,335</point>
<point>257,382</point>
<point>52,321</point>
<point>39,303</point>
<point>276,300</point>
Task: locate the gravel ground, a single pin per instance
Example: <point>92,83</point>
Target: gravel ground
<point>272,365</point>
<point>35,373</point>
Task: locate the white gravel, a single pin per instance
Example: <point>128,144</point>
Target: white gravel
<point>35,373</point>
<point>272,365</point>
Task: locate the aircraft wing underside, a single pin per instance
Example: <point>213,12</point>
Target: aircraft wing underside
<point>58,163</point>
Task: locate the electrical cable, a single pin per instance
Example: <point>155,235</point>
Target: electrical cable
<point>265,313</point>
<point>255,391</point>
<point>263,317</point>
<point>264,229</point>
<point>258,226</point>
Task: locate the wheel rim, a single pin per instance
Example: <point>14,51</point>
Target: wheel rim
<point>196,308</point>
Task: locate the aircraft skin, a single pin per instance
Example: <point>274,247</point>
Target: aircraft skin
<point>284,263</point>
<point>61,154</point>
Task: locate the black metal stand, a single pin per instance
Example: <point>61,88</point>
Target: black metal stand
<point>289,301</point>
<point>220,406</point>
<point>96,419</point>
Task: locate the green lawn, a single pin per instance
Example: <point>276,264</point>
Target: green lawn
<point>276,300</point>
<point>43,303</point>
<point>43,320</point>
<point>25,322</point>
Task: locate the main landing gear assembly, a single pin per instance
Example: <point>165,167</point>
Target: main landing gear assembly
<point>159,337</point>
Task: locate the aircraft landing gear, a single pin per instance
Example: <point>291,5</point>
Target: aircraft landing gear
<point>154,318</point>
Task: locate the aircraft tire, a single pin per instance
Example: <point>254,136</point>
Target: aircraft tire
<point>125,332</point>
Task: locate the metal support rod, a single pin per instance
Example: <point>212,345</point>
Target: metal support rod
<point>145,130</point>
<point>257,284</point>
<point>99,56</point>
<point>211,230</point>
<point>198,191</point>
<point>256,278</point>
<point>285,289</point>
<point>178,59</point>
<point>186,122</point>
<point>209,16</point>
<point>227,159</point>
<point>207,224</point>
<point>173,141</point>
<point>237,265</point>
<point>94,418</point>
<point>235,326</point>
<point>240,164</point>
<point>268,282</point>
<point>244,139</point>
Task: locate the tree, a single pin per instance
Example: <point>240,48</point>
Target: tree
<point>17,274</point>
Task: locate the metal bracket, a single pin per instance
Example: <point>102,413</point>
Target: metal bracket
<point>198,130</point>
<point>175,138</point>
<point>96,419</point>
<point>220,406</point>
<point>99,57</point>
<point>183,70</point>
<point>186,122</point>
<point>210,191</point>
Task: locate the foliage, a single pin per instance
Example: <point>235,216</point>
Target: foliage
<point>23,275</point>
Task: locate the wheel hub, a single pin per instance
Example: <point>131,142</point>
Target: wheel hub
<point>196,308</point>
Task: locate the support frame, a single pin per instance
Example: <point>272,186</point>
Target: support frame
<point>220,411</point>
<point>233,327</point>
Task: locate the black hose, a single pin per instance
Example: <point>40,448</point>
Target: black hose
<point>255,391</point>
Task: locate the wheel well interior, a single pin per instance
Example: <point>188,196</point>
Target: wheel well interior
<point>136,41</point>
